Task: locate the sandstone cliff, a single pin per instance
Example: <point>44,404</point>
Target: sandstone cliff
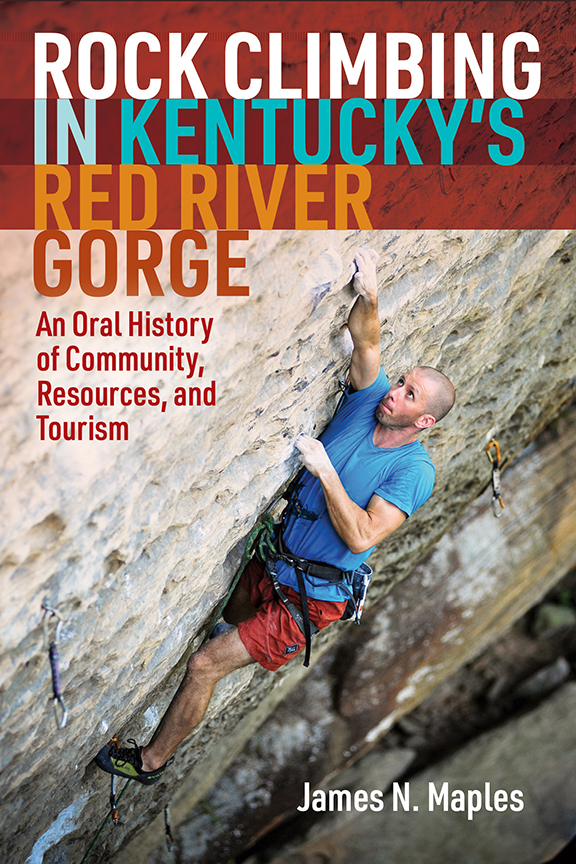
<point>136,541</point>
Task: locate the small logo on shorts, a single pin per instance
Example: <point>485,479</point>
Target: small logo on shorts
<point>290,649</point>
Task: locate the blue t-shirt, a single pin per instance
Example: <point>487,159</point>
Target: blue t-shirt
<point>402,475</point>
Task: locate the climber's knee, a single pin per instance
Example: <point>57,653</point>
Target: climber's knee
<point>201,664</point>
<point>217,658</point>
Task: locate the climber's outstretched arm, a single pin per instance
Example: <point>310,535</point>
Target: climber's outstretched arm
<point>364,323</point>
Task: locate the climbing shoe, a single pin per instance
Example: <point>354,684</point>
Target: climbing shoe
<point>127,762</point>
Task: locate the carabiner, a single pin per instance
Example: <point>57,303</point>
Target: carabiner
<point>60,711</point>
<point>490,457</point>
<point>51,612</point>
<point>497,502</point>
<point>497,506</point>
<point>113,804</point>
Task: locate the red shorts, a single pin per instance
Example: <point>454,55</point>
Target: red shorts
<point>272,636</point>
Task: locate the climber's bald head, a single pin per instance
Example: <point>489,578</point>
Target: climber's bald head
<point>440,392</point>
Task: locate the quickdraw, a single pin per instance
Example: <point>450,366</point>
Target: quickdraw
<point>113,804</point>
<point>497,502</point>
<point>60,710</point>
<point>113,812</point>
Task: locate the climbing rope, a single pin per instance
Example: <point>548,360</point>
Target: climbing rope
<point>497,502</point>
<point>260,538</point>
<point>60,710</point>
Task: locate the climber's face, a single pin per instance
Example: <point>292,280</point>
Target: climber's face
<point>405,403</point>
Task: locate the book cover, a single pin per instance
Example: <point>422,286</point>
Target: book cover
<point>184,189</point>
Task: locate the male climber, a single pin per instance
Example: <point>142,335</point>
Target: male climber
<point>366,475</point>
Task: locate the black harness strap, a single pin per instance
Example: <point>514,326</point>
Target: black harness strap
<point>300,566</point>
<point>317,569</point>
<point>305,614</point>
<point>302,619</point>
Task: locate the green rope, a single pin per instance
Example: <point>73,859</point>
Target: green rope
<point>259,540</point>
<point>86,856</point>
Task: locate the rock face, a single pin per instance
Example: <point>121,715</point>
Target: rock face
<point>474,827</point>
<point>136,541</point>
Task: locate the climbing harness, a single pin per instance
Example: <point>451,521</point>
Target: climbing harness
<point>497,503</point>
<point>302,618</point>
<point>60,710</point>
<point>355,583</point>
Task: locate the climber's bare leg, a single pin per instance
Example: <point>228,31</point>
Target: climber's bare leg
<point>215,659</point>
